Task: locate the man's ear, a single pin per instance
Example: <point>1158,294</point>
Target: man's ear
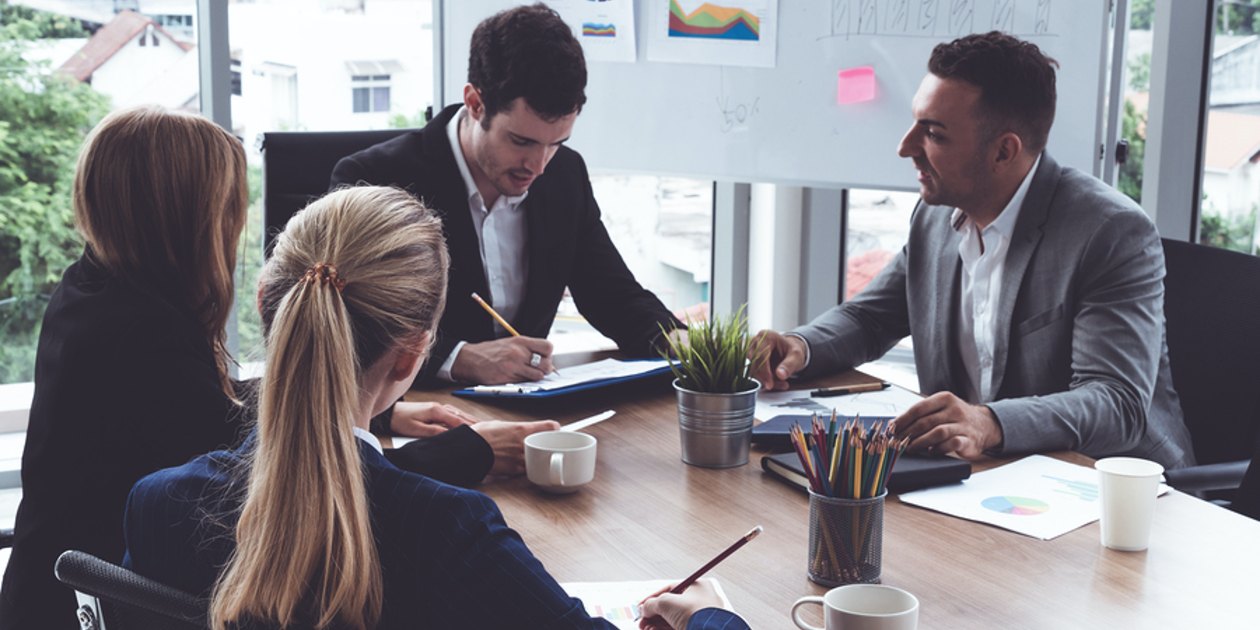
<point>472,100</point>
<point>1008,147</point>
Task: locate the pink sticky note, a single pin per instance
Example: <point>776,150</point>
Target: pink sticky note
<point>856,85</point>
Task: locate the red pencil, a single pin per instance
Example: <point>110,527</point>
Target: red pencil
<point>691,579</point>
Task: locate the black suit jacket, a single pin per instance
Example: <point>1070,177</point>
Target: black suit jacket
<point>567,242</point>
<point>125,384</point>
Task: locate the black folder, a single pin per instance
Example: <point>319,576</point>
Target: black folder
<point>911,472</point>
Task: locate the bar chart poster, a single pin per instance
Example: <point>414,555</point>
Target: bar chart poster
<point>604,27</point>
<point>723,33</point>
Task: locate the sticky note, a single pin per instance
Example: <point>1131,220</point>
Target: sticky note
<point>855,85</point>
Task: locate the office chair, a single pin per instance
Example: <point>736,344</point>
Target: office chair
<point>297,166</point>
<point>113,597</point>
<point>1212,308</point>
<point>1247,500</point>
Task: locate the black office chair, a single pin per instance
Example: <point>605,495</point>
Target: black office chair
<point>1212,306</point>
<point>1247,501</point>
<point>113,597</point>
<point>297,166</point>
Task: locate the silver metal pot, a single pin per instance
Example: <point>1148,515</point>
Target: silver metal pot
<point>716,429</point>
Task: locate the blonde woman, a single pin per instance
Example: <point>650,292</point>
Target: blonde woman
<point>131,370</point>
<point>307,525</point>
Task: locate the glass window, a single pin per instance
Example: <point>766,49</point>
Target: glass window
<point>54,88</point>
<point>293,80</point>
<point>370,93</point>
<point>1231,148</point>
<point>1231,151</point>
<point>878,226</point>
<point>663,228</point>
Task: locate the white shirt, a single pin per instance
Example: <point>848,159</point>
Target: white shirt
<point>501,235</point>
<point>983,254</point>
<point>367,436</point>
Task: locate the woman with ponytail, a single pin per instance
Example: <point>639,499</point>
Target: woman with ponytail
<point>131,374</point>
<point>307,525</point>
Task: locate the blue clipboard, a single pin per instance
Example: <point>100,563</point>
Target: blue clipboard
<point>469,392</point>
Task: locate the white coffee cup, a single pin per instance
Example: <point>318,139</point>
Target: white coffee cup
<point>1128,487</point>
<point>863,607</point>
<point>560,461</point>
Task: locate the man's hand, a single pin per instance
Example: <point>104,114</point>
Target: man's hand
<point>426,419</point>
<point>776,358</point>
<point>663,610</point>
<point>507,440</point>
<point>507,360</point>
<point>944,423</point>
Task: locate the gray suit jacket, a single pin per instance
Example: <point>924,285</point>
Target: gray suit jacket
<point>1080,359</point>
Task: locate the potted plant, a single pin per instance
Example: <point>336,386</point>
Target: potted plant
<point>712,361</point>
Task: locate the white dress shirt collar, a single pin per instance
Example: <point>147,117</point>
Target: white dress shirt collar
<point>367,436</point>
<point>983,254</point>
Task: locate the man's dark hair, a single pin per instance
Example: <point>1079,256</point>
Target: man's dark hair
<point>527,52</point>
<point>1015,78</point>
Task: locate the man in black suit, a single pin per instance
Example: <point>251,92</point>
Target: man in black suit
<point>520,219</point>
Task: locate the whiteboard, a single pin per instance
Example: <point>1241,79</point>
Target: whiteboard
<point>783,124</point>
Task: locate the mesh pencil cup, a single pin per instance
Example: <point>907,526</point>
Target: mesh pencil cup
<point>845,539</point>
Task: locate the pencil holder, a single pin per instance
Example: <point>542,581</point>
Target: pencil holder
<point>845,539</point>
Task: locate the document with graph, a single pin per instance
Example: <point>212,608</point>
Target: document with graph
<point>1036,496</point>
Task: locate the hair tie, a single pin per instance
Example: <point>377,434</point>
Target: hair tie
<point>324,273</point>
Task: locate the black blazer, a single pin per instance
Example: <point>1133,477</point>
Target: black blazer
<point>125,384</point>
<point>568,245</point>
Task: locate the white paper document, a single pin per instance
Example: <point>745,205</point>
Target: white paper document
<point>1036,496</point>
<point>578,374</point>
<point>618,602</point>
<point>889,402</point>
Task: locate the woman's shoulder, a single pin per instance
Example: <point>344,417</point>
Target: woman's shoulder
<point>202,476</point>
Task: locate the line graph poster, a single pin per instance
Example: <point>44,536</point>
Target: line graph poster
<point>718,32</point>
<point>604,27</point>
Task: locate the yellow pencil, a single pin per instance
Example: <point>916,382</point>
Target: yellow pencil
<point>503,322</point>
<point>497,317</point>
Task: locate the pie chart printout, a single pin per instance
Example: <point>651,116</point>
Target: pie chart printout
<point>1019,506</point>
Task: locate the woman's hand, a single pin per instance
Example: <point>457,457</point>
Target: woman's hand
<point>663,610</point>
<point>507,440</point>
<point>426,419</point>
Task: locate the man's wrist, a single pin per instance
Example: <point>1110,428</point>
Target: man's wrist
<point>804,342</point>
<point>992,445</point>
<point>445,372</point>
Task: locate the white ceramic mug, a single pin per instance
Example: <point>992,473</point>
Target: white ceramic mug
<point>863,607</point>
<point>560,461</point>
<point>1128,487</point>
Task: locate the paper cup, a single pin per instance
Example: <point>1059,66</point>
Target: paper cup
<point>1128,487</point>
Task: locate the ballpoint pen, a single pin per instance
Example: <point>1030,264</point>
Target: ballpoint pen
<point>850,389</point>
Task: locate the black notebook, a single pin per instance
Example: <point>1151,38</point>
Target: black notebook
<point>773,433</point>
<point>911,472</point>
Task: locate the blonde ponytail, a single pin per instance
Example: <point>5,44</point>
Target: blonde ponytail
<point>356,273</point>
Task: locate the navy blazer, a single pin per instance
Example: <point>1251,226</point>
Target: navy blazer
<point>448,559</point>
<point>567,243</point>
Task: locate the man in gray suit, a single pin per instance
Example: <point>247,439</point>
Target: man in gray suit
<point>1033,292</point>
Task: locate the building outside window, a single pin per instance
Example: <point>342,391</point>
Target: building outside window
<point>370,93</point>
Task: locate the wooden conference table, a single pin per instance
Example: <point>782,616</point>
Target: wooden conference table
<point>649,516</point>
